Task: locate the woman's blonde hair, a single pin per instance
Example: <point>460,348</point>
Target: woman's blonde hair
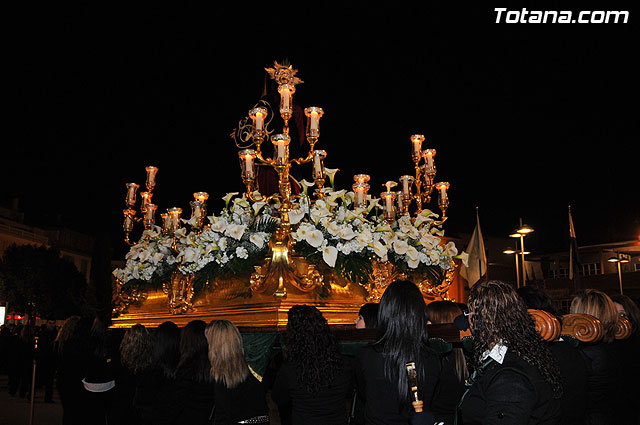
<point>597,304</point>
<point>226,354</point>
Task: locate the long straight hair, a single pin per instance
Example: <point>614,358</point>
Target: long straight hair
<point>226,354</point>
<point>445,312</point>
<point>402,332</point>
<point>597,304</point>
<point>194,364</point>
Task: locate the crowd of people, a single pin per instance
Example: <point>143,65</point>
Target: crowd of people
<point>198,374</point>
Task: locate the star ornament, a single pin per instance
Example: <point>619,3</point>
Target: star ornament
<point>284,73</point>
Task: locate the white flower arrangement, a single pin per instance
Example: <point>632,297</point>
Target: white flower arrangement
<point>330,230</point>
<point>334,229</point>
<point>150,257</point>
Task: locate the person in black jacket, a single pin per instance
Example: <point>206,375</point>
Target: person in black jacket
<point>136,349</point>
<point>239,394</point>
<point>381,374</point>
<point>570,361</point>
<point>194,387</point>
<point>454,366</point>
<point>610,383</point>
<point>515,379</point>
<point>315,379</point>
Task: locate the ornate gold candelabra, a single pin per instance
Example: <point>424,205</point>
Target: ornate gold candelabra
<point>423,182</point>
<point>279,268</point>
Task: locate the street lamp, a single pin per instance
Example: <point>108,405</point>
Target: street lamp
<point>523,231</point>
<point>510,250</point>
<point>618,259</point>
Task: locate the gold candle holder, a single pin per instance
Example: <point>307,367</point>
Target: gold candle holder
<point>151,177</point>
<point>150,216</point>
<point>258,116</point>
<point>145,199</point>
<point>416,143</point>
<point>201,196</point>
<point>360,190</point>
<point>174,218</point>
<point>127,226</point>
<point>130,200</point>
<point>247,166</point>
<point>443,199</point>
<point>198,212</point>
<point>313,114</point>
<point>388,205</point>
<point>286,102</point>
<point>281,149</point>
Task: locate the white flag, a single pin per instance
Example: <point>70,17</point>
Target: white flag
<point>477,264</point>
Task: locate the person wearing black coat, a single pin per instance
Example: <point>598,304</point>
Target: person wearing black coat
<point>381,367</point>
<point>516,380</point>
<point>315,379</point>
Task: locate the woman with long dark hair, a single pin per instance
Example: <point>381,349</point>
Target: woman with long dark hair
<point>240,396</point>
<point>454,365</point>
<point>194,394</point>
<point>515,380</point>
<point>315,379</point>
<point>381,367</point>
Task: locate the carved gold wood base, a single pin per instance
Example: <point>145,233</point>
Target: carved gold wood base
<point>262,297</point>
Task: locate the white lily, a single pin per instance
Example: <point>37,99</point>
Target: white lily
<point>235,231</point>
<point>257,239</point>
<point>331,173</point>
<point>314,238</point>
<point>413,257</point>
<point>226,198</point>
<point>347,233</point>
<point>380,250</point>
<point>295,216</point>
<point>257,206</point>
<point>330,255</point>
<point>464,257</point>
<point>400,246</point>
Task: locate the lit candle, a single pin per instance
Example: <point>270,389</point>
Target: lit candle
<point>406,181</point>
<point>281,142</point>
<point>128,220</point>
<point>174,218</point>
<point>417,140</point>
<point>145,200</point>
<point>313,124</point>
<point>286,91</point>
<point>318,166</point>
<point>360,191</point>
<point>361,178</point>
<point>131,193</point>
<point>428,157</point>
<point>258,116</point>
<point>201,196</point>
<point>442,187</point>
<point>151,177</point>
<point>150,215</point>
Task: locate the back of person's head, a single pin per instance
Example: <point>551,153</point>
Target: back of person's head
<point>194,361</point>
<point>98,340</point>
<point>75,329</point>
<point>136,349</point>
<point>226,354</point>
<point>498,315</point>
<point>536,298</point>
<point>402,330</point>
<point>369,314</point>
<point>442,311</point>
<point>597,304</point>
<point>311,347</point>
<point>166,348</point>
<point>631,311</point>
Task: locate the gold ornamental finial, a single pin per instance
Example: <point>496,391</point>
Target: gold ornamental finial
<point>284,74</point>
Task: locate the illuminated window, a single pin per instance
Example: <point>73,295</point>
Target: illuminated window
<point>591,269</point>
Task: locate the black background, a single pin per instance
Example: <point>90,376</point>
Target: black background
<point>526,119</point>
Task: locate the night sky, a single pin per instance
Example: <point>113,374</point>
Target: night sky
<point>526,119</point>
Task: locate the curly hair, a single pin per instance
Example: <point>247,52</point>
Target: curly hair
<point>597,304</point>
<point>312,348</point>
<point>500,315</point>
<point>136,349</point>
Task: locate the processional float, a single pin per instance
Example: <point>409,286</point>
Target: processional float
<point>263,253</point>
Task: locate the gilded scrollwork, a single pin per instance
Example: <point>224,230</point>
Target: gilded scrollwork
<point>124,296</point>
<point>180,292</point>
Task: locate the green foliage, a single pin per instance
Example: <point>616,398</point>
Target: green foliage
<point>37,281</point>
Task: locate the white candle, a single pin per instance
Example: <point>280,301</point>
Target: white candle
<point>317,167</point>
<point>131,193</point>
<point>405,186</point>
<point>389,203</point>
<point>360,196</point>
<point>443,192</point>
<point>429,158</point>
<point>314,120</point>
<point>151,176</point>
<point>259,121</point>
<point>281,150</point>
<point>248,166</point>
<point>285,100</point>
